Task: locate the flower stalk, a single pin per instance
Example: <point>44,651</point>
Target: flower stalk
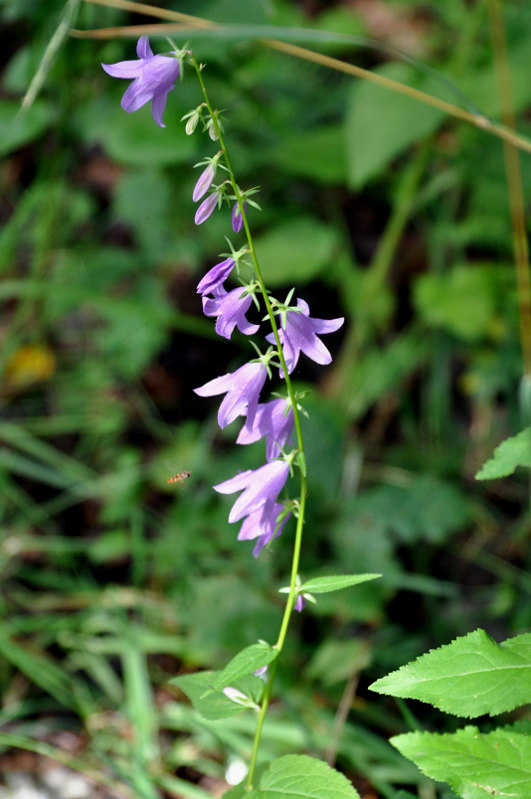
<point>297,422</point>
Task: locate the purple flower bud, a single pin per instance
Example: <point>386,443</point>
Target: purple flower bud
<point>153,78</point>
<point>203,184</point>
<point>300,334</point>
<point>216,276</point>
<point>230,308</point>
<point>237,218</point>
<point>300,603</point>
<point>260,488</point>
<point>206,208</point>
<point>242,389</point>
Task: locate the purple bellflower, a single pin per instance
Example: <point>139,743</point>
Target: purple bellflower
<point>153,78</point>
<point>216,276</point>
<point>230,307</point>
<point>242,389</point>
<point>272,420</point>
<point>263,526</point>
<point>300,334</point>
<point>260,488</point>
<point>206,208</point>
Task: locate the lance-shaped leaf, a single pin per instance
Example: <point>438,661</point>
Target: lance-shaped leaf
<point>469,677</point>
<point>245,662</point>
<point>324,585</point>
<point>302,777</point>
<point>476,766</point>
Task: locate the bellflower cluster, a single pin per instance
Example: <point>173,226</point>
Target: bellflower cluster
<point>258,507</point>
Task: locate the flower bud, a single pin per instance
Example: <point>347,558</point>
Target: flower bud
<point>206,208</point>
<point>192,123</point>
<point>203,184</point>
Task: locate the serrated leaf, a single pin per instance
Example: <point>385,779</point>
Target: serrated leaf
<point>245,662</point>
<point>215,706</point>
<point>513,452</point>
<point>324,585</point>
<point>469,677</point>
<point>302,777</point>
<point>476,766</point>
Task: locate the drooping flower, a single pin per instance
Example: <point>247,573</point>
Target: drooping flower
<point>237,218</point>
<point>204,182</point>
<point>263,524</point>
<point>274,420</point>
<point>242,389</point>
<point>206,208</point>
<point>153,78</point>
<point>230,308</point>
<point>260,488</point>
<point>216,276</point>
<point>299,334</point>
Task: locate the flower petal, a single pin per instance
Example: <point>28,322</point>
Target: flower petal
<point>158,105</point>
<point>124,69</point>
<point>135,96</point>
<point>143,48</point>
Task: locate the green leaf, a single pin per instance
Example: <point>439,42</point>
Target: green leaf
<point>245,662</point>
<point>318,153</point>
<point>461,301</point>
<point>17,129</point>
<point>381,124</point>
<point>296,251</point>
<point>215,706</point>
<point>133,139</point>
<point>324,585</point>
<point>469,677</point>
<point>335,661</point>
<point>513,452</point>
<point>476,766</point>
<point>302,777</point>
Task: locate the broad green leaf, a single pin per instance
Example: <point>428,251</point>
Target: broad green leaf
<point>323,585</point>
<point>513,452</point>
<point>469,677</point>
<point>335,661</point>
<point>381,124</point>
<point>215,706</point>
<point>296,251</point>
<point>245,662</point>
<point>476,766</point>
<point>461,301</point>
<point>317,153</point>
<point>302,777</point>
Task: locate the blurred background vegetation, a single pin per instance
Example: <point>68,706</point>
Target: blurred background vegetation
<point>376,207</point>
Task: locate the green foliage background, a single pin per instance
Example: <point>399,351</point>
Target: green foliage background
<point>376,207</point>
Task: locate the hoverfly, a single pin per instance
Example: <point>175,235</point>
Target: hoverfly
<point>180,478</point>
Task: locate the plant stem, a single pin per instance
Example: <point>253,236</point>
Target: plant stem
<point>300,444</point>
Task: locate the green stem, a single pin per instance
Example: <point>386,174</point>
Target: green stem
<point>300,444</point>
